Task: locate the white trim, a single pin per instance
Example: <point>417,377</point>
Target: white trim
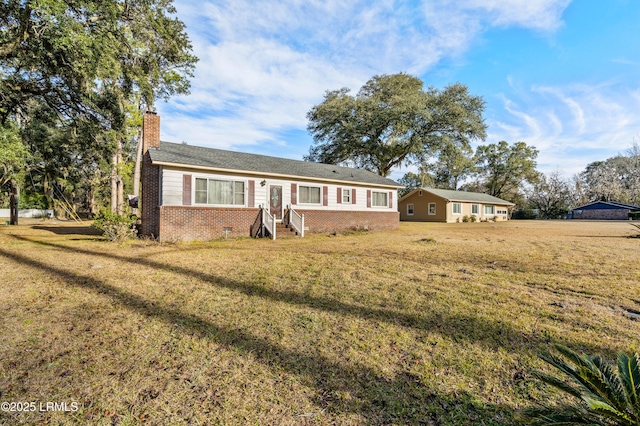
<point>160,180</point>
<point>410,213</point>
<point>343,192</point>
<point>277,175</point>
<point>194,201</point>
<point>492,207</point>
<point>476,213</point>
<point>453,211</point>
<point>309,204</point>
<point>435,209</point>
<point>386,197</point>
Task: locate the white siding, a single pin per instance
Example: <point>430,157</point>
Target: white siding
<point>172,190</point>
<point>171,187</point>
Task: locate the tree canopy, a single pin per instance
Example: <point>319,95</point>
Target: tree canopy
<point>452,165</point>
<point>504,168</point>
<point>614,179</point>
<point>83,58</point>
<point>550,195</point>
<point>73,71</point>
<point>13,154</point>
<point>392,121</point>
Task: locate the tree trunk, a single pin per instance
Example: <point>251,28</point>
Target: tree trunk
<point>114,183</point>
<point>119,180</point>
<point>14,198</point>
<point>136,171</point>
<point>91,202</point>
<point>47,188</point>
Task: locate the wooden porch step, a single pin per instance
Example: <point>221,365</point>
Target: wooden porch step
<point>282,231</point>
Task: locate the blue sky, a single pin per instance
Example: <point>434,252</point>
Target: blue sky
<point>560,75</point>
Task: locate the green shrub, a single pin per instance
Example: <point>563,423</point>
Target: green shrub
<point>634,215</point>
<point>465,219</point>
<point>494,219</point>
<point>33,200</point>
<point>601,395</point>
<point>116,227</point>
<point>473,218</point>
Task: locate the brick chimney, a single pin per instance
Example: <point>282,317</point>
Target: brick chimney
<point>150,176</point>
<point>150,130</point>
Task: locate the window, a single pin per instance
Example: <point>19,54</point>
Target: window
<point>225,192</point>
<point>309,194</point>
<point>457,208</point>
<point>410,209</point>
<point>432,208</point>
<point>346,196</point>
<point>489,210</point>
<point>501,211</point>
<point>475,209</point>
<point>379,199</point>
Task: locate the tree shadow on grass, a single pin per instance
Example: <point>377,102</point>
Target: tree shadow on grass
<point>400,400</point>
<point>69,230</point>
<point>460,327</point>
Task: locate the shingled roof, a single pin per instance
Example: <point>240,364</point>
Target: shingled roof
<point>611,205</point>
<point>218,159</point>
<point>465,197</point>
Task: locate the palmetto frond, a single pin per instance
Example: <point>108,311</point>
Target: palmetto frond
<point>603,396</point>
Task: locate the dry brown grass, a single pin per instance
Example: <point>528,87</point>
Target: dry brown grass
<point>430,324</point>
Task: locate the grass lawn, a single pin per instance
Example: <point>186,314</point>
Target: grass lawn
<point>429,324</point>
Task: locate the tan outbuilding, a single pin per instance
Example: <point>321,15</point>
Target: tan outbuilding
<point>442,205</point>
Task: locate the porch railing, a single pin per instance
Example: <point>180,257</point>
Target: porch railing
<point>269,223</point>
<point>296,221</point>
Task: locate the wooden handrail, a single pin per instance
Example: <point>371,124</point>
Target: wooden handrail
<point>269,223</point>
<point>296,221</point>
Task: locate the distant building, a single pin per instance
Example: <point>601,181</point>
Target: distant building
<point>443,205</point>
<point>603,210</point>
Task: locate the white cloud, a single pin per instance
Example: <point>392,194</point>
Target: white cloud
<point>571,126</point>
<point>264,64</point>
<point>543,15</point>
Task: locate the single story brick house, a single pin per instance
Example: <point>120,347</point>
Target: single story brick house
<point>196,193</point>
<point>443,205</point>
<point>603,210</point>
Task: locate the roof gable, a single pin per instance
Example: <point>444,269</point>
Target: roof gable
<point>218,159</point>
<point>463,196</point>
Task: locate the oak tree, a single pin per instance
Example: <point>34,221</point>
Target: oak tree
<point>392,121</point>
<point>88,60</point>
<point>83,57</point>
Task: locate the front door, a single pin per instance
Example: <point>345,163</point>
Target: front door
<point>275,201</point>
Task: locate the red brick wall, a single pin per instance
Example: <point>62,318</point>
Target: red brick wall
<point>187,223</point>
<point>603,214</point>
<point>150,192</point>
<point>345,220</point>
